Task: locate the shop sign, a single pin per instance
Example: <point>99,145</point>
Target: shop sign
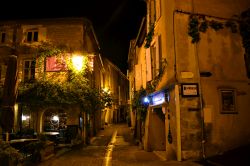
<point>158,98</point>
<point>189,90</point>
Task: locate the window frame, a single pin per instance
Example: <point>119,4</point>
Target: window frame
<point>224,97</point>
<point>32,36</point>
<point>31,70</point>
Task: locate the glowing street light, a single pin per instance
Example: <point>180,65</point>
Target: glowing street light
<point>24,117</point>
<point>55,118</point>
<point>106,90</point>
<point>146,100</point>
<point>77,61</point>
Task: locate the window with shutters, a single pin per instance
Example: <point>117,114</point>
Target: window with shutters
<point>158,9</point>
<point>153,60</point>
<point>155,51</point>
<point>29,70</point>
<point>154,10</point>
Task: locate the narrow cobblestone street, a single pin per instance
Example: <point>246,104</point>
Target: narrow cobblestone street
<point>112,146</point>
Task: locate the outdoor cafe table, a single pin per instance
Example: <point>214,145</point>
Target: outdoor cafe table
<point>22,140</point>
<point>20,143</point>
<point>52,135</point>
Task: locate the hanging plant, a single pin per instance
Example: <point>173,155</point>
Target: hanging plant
<point>193,28</point>
<point>203,26</point>
<point>215,25</point>
<point>149,36</point>
<point>232,25</point>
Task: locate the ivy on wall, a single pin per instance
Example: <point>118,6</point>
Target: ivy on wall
<point>138,104</point>
<point>151,85</point>
<point>149,36</point>
<point>74,90</point>
<point>199,23</point>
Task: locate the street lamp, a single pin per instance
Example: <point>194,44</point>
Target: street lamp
<point>77,61</point>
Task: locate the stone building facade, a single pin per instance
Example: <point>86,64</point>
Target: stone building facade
<point>18,37</point>
<point>197,66</point>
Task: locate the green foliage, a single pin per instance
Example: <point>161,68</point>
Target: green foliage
<point>196,26</point>
<point>47,93</point>
<point>137,104</point>
<point>193,29</point>
<point>106,99</point>
<point>149,36</point>
<point>47,49</point>
<point>232,25</point>
<point>203,26</point>
<point>151,85</point>
<point>60,88</point>
<point>215,25</point>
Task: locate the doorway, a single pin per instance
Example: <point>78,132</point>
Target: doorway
<point>157,136</point>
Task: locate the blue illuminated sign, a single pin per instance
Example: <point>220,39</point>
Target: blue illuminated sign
<point>158,98</point>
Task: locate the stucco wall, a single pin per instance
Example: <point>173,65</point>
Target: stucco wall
<point>221,53</point>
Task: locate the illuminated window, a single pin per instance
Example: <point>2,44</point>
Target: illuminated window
<point>32,36</point>
<point>29,70</point>
<point>228,101</point>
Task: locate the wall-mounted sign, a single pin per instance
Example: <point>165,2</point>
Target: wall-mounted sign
<point>158,98</point>
<point>56,64</point>
<point>187,74</point>
<point>189,90</point>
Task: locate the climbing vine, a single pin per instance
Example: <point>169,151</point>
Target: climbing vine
<point>138,105</point>
<point>199,23</point>
<point>54,90</point>
<point>151,85</point>
<point>149,36</point>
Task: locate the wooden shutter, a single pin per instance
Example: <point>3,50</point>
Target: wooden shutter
<point>138,78</point>
<point>148,65</point>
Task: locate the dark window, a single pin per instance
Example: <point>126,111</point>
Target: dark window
<point>29,36</point>
<point>35,36</point>
<point>228,104</point>
<point>3,37</point>
<point>29,70</point>
<point>32,36</point>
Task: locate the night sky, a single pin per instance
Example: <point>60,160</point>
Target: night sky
<point>116,22</point>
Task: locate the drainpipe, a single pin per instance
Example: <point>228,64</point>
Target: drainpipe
<point>203,141</point>
<point>178,122</point>
<point>177,101</point>
<point>200,97</point>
